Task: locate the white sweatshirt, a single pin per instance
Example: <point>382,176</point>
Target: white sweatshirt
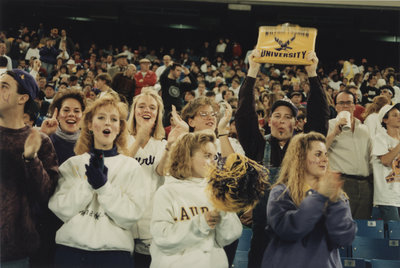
<point>101,219</point>
<point>148,157</point>
<point>181,235</point>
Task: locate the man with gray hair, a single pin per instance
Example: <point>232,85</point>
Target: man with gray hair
<point>161,69</point>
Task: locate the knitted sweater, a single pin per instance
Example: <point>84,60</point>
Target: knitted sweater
<point>24,187</point>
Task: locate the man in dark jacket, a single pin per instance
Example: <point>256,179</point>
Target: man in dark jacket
<point>124,83</point>
<point>173,90</point>
<point>271,149</point>
<point>48,55</point>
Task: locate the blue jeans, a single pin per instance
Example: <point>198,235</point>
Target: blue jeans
<point>389,213</point>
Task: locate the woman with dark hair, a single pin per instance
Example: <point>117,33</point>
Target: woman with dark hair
<point>63,127</point>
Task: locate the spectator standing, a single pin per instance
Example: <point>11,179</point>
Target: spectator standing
<point>173,90</point>
<point>307,205</point>
<point>144,77</point>
<point>124,83</point>
<point>271,149</point>
<point>349,153</point>
<point>3,53</point>
<point>385,163</point>
<point>29,170</point>
<point>48,55</point>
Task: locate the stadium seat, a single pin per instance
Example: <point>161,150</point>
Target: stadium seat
<point>385,264</point>
<point>374,248</point>
<point>394,230</point>
<point>370,228</point>
<point>353,262</point>
<point>344,251</point>
<point>244,240</point>
<point>241,259</point>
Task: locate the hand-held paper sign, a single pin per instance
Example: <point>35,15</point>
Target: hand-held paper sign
<point>285,44</point>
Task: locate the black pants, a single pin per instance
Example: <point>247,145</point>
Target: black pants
<point>230,251</point>
<point>67,257</point>
<point>142,260</point>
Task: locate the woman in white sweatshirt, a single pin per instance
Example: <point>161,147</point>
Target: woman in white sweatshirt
<point>187,231</point>
<point>100,192</point>
<point>147,147</point>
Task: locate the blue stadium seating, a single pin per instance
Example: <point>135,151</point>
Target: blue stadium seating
<point>245,239</point>
<point>385,264</point>
<point>373,248</point>
<point>241,259</point>
<point>345,251</point>
<point>393,230</point>
<point>353,262</point>
<point>371,228</point>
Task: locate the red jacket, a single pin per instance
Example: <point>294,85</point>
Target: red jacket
<point>148,80</point>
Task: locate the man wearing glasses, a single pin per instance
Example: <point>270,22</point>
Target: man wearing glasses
<point>349,153</point>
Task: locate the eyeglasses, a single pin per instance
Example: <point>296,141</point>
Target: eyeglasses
<point>206,114</point>
<point>343,103</point>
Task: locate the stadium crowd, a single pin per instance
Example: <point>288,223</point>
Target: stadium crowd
<point>116,115</point>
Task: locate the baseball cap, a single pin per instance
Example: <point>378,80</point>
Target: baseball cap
<point>144,61</point>
<point>27,82</point>
<point>50,85</point>
<point>288,104</point>
<point>121,55</point>
<point>385,109</point>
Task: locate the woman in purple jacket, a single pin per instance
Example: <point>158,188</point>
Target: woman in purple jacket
<point>308,214</point>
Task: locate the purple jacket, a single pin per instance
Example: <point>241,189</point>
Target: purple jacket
<point>308,235</point>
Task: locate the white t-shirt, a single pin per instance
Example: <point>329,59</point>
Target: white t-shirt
<point>237,148</point>
<point>373,124</point>
<point>386,179</point>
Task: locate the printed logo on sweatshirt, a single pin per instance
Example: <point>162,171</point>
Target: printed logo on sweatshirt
<point>174,91</point>
<point>95,214</point>
<point>147,161</point>
<point>185,214</point>
<point>394,176</point>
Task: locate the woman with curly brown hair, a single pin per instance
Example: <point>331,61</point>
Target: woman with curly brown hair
<point>100,192</point>
<point>308,214</point>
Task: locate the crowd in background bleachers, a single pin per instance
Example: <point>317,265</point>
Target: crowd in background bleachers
<point>57,62</point>
<point>220,68</point>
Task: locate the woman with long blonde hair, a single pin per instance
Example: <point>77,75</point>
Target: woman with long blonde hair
<point>147,147</point>
<point>187,230</point>
<point>308,214</point>
<point>100,192</point>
